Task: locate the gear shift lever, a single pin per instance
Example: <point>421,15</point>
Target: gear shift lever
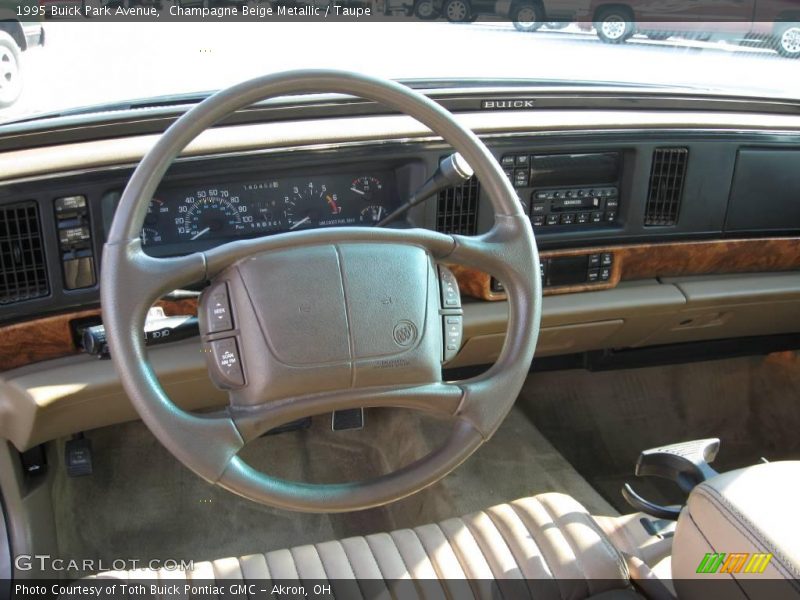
<point>685,463</point>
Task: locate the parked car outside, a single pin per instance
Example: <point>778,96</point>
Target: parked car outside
<point>772,22</point>
<point>16,36</point>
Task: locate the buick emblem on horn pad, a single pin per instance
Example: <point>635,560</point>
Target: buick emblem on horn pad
<point>405,333</point>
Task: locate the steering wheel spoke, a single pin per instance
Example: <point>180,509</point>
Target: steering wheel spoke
<point>219,258</point>
<point>438,399</point>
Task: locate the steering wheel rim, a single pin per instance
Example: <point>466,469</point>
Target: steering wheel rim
<point>208,444</point>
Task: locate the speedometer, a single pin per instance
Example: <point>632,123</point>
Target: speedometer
<point>211,213</point>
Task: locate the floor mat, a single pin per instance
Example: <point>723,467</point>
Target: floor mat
<point>600,421</point>
<point>141,503</point>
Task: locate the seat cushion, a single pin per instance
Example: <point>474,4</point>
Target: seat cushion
<point>545,546</point>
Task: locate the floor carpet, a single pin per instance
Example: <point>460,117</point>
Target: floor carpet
<point>140,503</point>
<point>600,421</point>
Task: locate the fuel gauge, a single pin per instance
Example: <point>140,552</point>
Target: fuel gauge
<point>372,213</point>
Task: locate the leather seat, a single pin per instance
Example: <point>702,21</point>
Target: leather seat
<point>548,543</point>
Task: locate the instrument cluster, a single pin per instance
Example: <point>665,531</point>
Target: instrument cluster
<point>196,216</point>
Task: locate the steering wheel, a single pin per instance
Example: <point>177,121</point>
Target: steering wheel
<point>321,320</point>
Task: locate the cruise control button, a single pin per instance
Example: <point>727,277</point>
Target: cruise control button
<point>225,364</point>
<point>451,297</point>
<point>218,309</point>
<point>453,331</point>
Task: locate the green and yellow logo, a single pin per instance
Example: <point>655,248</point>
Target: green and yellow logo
<point>735,562</point>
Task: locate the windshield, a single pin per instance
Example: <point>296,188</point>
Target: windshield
<point>78,62</point>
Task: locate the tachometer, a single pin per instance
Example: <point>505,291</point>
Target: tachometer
<point>212,212</point>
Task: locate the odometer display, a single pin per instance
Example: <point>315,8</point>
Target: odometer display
<point>186,219</point>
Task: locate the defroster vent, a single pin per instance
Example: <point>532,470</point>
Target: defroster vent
<point>457,209</point>
<point>667,175</point>
<point>23,274</point>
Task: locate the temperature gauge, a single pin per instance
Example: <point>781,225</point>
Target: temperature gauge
<point>366,187</point>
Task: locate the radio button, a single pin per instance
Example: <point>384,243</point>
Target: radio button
<point>507,160</point>
<point>226,370</point>
<point>552,219</point>
<point>541,196</point>
<point>583,217</point>
<point>537,208</point>
<point>611,216</point>
<point>521,160</point>
<point>567,218</point>
<point>217,309</point>
<point>537,220</point>
<point>597,217</point>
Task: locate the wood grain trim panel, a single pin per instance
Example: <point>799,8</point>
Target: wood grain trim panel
<point>50,337</point>
<point>671,259</point>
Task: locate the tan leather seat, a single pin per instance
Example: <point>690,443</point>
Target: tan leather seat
<point>549,543</point>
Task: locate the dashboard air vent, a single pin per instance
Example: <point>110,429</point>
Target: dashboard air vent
<point>457,210</point>
<point>666,186</point>
<point>23,275</point>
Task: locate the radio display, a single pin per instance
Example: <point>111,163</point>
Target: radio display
<point>551,170</point>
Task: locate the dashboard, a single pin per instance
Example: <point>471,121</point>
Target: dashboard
<point>664,225</point>
<point>186,218</point>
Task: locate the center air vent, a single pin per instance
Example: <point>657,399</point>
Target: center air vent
<point>23,275</point>
<point>457,209</point>
<point>666,186</point>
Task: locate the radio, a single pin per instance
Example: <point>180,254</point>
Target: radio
<point>566,189</point>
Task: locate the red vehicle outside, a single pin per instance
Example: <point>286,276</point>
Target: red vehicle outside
<point>775,22</point>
